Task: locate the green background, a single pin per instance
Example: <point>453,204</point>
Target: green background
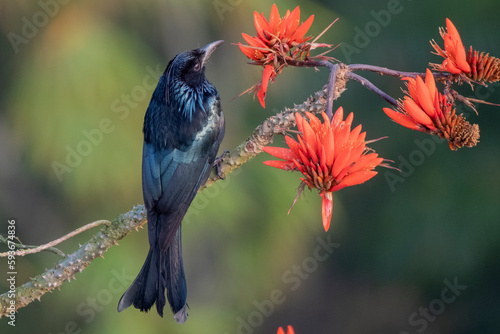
<point>395,245</point>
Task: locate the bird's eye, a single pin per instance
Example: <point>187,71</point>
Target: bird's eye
<point>197,67</point>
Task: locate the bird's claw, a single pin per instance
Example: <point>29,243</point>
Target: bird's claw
<point>217,165</point>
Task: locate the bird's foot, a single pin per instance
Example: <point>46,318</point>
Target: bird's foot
<point>217,165</point>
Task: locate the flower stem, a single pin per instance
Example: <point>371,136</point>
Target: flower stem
<point>331,80</point>
<point>387,71</point>
<point>372,87</point>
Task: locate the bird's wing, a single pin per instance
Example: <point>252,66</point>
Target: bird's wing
<point>171,179</point>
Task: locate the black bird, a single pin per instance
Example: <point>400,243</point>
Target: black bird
<point>183,128</point>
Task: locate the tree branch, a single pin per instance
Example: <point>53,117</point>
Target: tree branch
<point>400,74</point>
<point>66,268</point>
<point>120,227</point>
<point>336,80</point>
<point>384,71</point>
<point>372,87</point>
<point>50,245</point>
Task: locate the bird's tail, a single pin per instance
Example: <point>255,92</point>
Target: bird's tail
<point>161,270</point>
<point>174,279</point>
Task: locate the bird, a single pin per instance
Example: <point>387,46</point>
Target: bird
<point>183,129</point>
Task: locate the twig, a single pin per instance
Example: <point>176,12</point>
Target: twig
<point>66,268</point>
<point>334,89</point>
<point>400,74</point>
<point>37,249</point>
<point>332,79</point>
<point>21,246</point>
<point>372,87</point>
<point>384,71</point>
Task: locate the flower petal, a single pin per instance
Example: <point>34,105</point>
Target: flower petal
<point>298,165</point>
<point>261,95</point>
<point>254,41</point>
<point>338,117</point>
<point>450,66</point>
<point>249,52</point>
<point>294,146</point>
<point>312,153</point>
<point>266,76</point>
<point>291,23</point>
<point>430,82</point>
<point>329,145</point>
<point>348,121</point>
<point>424,97</point>
<point>353,136</point>
<point>354,179</point>
<point>313,121</point>
<point>461,59</point>
<point>412,88</point>
<point>416,112</point>
<point>310,136</point>
<point>366,162</point>
<point>280,152</point>
<point>285,165</point>
<point>341,160</point>
<point>326,209</point>
<point>299,120</point>
<point>402,119</point>
<point>455,48</point>
<point>260,25</point>
<point>302,30</point>
<point>274,19</point>
<point>452,31</point>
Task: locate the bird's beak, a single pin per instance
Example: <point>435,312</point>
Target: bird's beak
<point>209,49</point>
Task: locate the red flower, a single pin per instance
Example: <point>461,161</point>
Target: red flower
<point>278,41</point>
<point>454,52</point>
<point>425,109</point>
<point>289,330</point>
<point>328,154</point>
<point>475,66</point>
<point>276,35</point>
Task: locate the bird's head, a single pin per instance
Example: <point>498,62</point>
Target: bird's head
<point>183,96</point>
<point>188,67</point>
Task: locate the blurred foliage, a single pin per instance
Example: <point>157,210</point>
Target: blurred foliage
<point>397,245</point>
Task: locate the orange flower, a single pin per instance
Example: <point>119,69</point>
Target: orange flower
<point>328,154</point>
<point>425,109</point>
<point>276,35</point>
<point>476,66</point>
<point>278,41</point>
<point>289,330</point>
<point>454,52</point>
